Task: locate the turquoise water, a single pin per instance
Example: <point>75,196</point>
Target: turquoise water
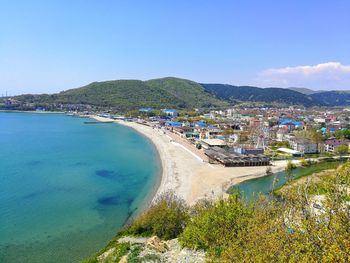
<point>251,189</point>
<point>67,187</point>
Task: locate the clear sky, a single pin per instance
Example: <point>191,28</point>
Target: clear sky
<point>53,45</point>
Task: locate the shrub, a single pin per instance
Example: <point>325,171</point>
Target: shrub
<point>290,166</point>
<point>305,162</point>
<point>342,149</point>
<point>272,231</point>
<point>166,218</point>
<point>214,225</point>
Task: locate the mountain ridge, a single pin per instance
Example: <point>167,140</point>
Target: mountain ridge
<point>171,92</point>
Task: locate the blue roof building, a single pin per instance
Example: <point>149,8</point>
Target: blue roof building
<point>174,123</point>
<point>284,121</point>
<point>200,124</point>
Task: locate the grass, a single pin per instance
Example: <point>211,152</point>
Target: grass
<point>308,171</point>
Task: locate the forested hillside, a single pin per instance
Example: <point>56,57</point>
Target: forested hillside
<point>126,95</point>
<point>332,98</point>
<point>235,94</point>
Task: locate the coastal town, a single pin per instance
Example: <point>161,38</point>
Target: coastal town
<point>204,154</point>
<point>174,131</point>
<point>227,136</point>
<point>252,136</point>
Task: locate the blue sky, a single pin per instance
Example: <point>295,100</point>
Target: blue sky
<point>48,46</point>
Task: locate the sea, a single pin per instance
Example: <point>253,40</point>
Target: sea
<point>67,187</point>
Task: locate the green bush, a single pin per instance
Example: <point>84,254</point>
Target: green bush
<point>305,162</point>
<point>290,166</point>
<point>274,231</point>
<point>214,225</point>
<point>166,218</point>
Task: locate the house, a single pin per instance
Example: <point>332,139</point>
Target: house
<point>11,102</point>
<point>200,124</point>
<point>173,124</point>
<point>245,150</point>
<point>319,120</point>
<point>331,145</point>
<point>182,131</point>
<point>304,146</point>
<point>281,135</point>
<point>209,143</point>
<point>212,132</point>
<point>171,112</point>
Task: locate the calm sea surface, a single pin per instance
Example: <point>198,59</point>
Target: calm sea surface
<point>67,187</point>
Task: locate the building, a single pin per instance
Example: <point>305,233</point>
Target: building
<point>212,132</point>
<point>291,152</point>
<point>11,102</point>
<point>210,143</point>
<point>319,120</point>
<point>173,124</point>
<point>245,150</point>
<point>304,146</point>
<point>171,112</point>
<point>182,131</point>
<point>229,158</point>
<point>331,145</point>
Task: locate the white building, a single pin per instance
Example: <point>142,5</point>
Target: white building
<point>303,146</point>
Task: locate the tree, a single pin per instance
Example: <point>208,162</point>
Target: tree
<point>342,149</point>
<point>316,137</point>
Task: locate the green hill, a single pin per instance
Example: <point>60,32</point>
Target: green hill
<point>124,95</point>
<point>305,90</point>
<point>237,94</point>
<point>332,98</point>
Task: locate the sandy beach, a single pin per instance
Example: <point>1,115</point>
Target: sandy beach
<point>184,170</point>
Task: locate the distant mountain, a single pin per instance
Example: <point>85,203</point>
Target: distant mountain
<point>305,90</point>
<point>332,98</point>
<point>124,95</point>
<point>236,94</point>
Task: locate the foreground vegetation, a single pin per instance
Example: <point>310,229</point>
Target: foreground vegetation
<point>307,225</point>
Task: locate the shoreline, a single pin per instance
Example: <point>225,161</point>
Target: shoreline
<point>185,173</point>
<point>160,181</point>
<point>37,112</point>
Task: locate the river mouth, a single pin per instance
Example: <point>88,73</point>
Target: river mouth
<point>251,189</point>
<point>66,188</point>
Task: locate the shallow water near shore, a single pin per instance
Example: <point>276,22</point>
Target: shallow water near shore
<point>251,189</point>
<point>66,188</point>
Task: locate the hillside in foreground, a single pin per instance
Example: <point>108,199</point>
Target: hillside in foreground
<point>310,224</point>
